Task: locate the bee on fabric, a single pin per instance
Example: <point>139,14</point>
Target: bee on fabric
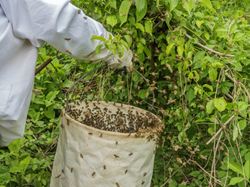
<point>68,39</point>
<point>68,51</point>
<point>90,133</point>
<point>58,176</point>
<point>130,154</point>
<point>144,174</point>
<point>85,17</point>
<point>142,182</point>
<point>126,171</point>
<point>79,11</point>
<point>100,135</point>
<point>81,155</point>
<point>104,167</point>
<point>71,170</point>
<point>116,156</point>
<point>116,142</point>
<point>117,184</point>
<point>93,174</point>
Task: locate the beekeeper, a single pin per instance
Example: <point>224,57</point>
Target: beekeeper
<point>24,27</point>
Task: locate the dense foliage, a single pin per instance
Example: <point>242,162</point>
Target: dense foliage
<point>193,58</point>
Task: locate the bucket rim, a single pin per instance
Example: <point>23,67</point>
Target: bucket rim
<point>110,133</point>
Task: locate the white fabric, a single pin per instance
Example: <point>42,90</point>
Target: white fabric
<point>24,26</point>
<point>81,156</point>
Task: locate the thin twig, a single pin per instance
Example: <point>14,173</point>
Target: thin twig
<point>216,52</point>
<point>195,34</point>
<point>224,125</point>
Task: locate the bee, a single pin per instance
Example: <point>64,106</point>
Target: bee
<point>81,155</point>
<point>71,170</point>
<point>123,14</point>
<point>129,134</point>
<point>93,174</point>
<point>130,154</point>
<point>62,125</point>
<point>79,11</point>
<point>203,157</point>
<point>142,182</point>
<point>90,133</point>
<point>67,39</point>
<point>126,171</point>
<point>58,176</point>
<point>144,174</point>
<point>63,170</point>
<point>116,156</point>
<point>116,142</point>
<point>68,51</point>
<point>154,151</point>
<point>104,167</point>
<point>179,160</point>
<point>85,17</point>
<point>117,184</point>
<point>100,135</point>
<point>67,122</point>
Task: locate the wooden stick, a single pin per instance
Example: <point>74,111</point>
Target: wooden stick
<point>43,66</point>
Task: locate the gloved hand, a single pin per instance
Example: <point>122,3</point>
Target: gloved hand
<point>115,62</point>
<point>112,60</point>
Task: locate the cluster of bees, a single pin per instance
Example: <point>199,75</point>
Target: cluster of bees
<point>116,117</point>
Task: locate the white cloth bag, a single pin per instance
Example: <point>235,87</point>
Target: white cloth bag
<point>89,157</point>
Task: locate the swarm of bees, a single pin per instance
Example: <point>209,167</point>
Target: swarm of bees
<point>117,117</point>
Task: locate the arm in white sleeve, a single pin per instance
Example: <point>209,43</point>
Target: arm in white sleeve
<point>59,23</point>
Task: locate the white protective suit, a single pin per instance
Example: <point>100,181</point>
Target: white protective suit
<point>24,26</point>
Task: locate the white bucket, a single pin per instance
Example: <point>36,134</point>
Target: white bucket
<point>89,157</point>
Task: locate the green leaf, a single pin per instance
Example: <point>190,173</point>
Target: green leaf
<point>220,104</point>
<point>139,26</point>
<point>24,163</point>
<point>188,5</point>
<point>242,106</point>
<point>225,90</point>
<point>52,95</point>
<point>112,3</point>
<point>235,180</point>
<point>208,86</point>
<point>180,50</point>
<point>199,23</point>
<point>195,173</point>
<point>111,47</point>
<point>140,14</point>
<point>140,4</point>
<point>169,47</point>
<point>111,20</point>
<point>67,83</point>
<point>247,169</point>
<point>142,94</point>
<point>190,95</point>
<point>147,51</point>
<point>207,3</point>
<point>210,106</point>
<point>235,133</point>
<point>212,73</point>
<point>236,167</point>
<point>121,49</point>
<point>149,26</point>
<point>173,4</point>
<point>123,10</point>
<point>94,37</point>
<point>98,48</point>
<point>233,28</point>
<point>199,56</point>
<point>242,124</point>
<point>16,145</point>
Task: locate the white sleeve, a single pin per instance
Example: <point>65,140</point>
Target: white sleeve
<point>57,22</point>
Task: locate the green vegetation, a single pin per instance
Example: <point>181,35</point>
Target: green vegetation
<point>194,56</point>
